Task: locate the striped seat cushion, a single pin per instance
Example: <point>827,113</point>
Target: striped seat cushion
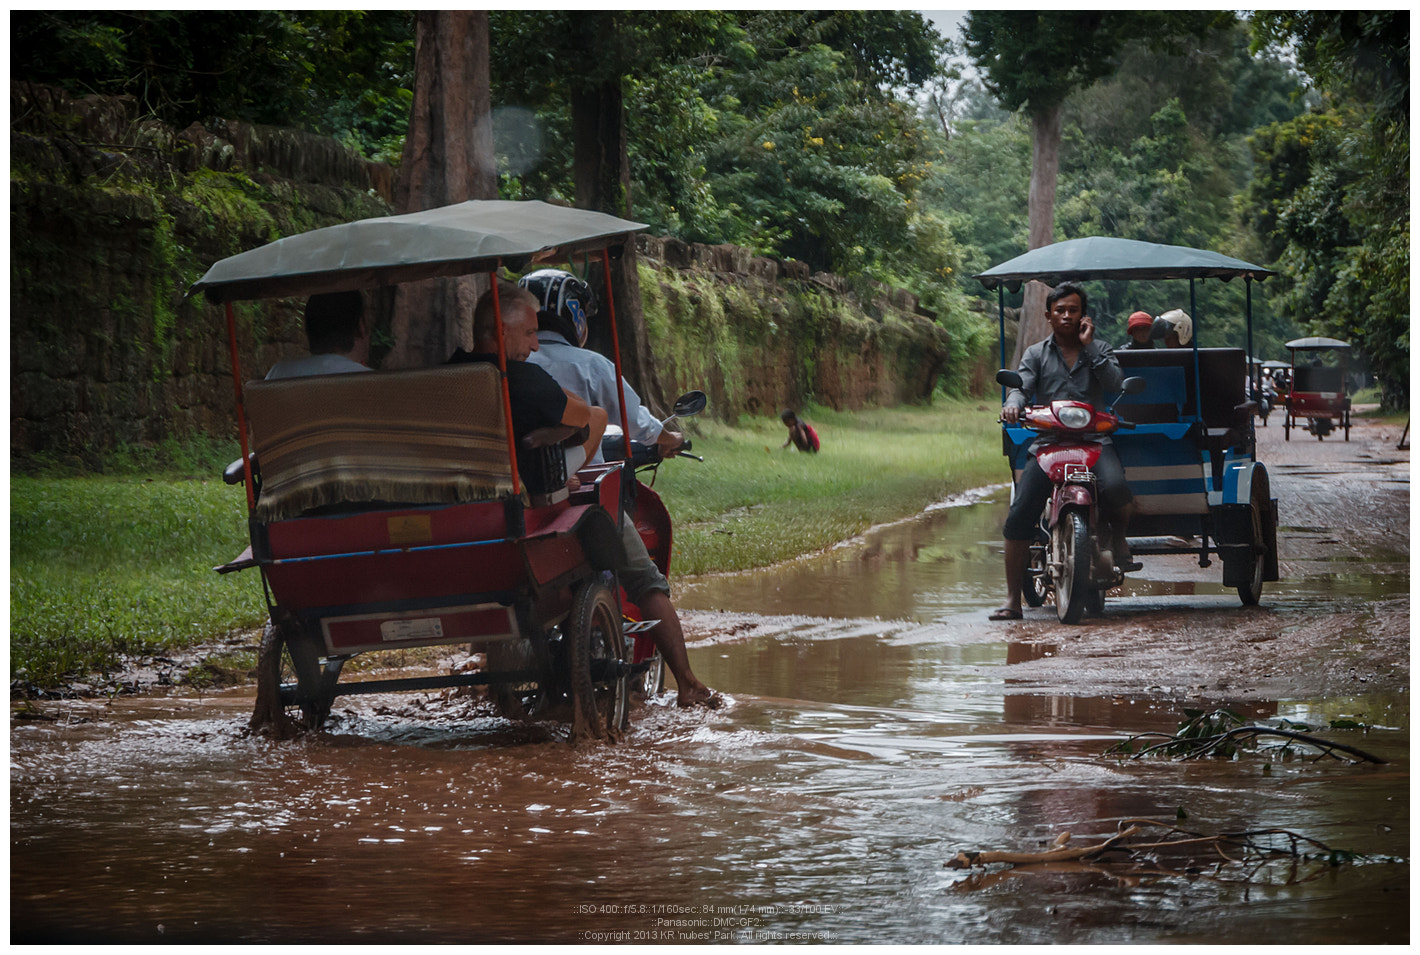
<point>430,436</point>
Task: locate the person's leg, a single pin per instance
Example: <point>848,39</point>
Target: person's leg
<point>1032,491</point>
<point>648,589</point>
<point>670,640</point>
<point>1116,504</point>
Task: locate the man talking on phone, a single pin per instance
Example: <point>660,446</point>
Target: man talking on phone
<point>1069,365</point>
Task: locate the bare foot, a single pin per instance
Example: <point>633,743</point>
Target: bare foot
<point>699,696</point>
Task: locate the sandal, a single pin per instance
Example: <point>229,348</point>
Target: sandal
<point>1005,613</point>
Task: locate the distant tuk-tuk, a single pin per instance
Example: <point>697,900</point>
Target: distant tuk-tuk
<point>1190,457</point>
<point>1318,387</point>
<point>388,510</point>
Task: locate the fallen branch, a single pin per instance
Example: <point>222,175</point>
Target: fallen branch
<point>965,860</point>
<point>1212,735</point>
<point>1194,853</point>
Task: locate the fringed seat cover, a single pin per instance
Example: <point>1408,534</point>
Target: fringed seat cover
<point>430,436</point>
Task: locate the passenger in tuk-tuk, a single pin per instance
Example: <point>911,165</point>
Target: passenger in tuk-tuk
<point>537,400</point>
<point>1180,328</point>
<point>1070,364</point>
<point>1141,331</point>
<point>565,303</point>
<point>337,334</point>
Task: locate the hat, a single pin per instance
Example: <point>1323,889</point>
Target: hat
<point>1182,324</point>
<point>1140,320</point>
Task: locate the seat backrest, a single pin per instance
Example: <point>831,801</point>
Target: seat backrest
<point>1318,378</point>
<point>1223,371</point>
<point>428,436</point>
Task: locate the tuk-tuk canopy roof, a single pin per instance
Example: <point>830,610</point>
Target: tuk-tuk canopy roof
<point>1316,344</point>
<point>1103,257</point>
<point>1273,363</point>
<point>451,240</point>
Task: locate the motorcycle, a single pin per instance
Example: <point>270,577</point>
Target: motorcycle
<point>653,523</point>
<point>1068,558</point>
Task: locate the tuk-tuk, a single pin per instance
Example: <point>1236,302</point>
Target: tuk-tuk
<point>1190,458</point>
<point>388,511</point>
<point>1318,387</point>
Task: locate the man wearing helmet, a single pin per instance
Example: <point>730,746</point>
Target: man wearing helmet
<point>565,303</point>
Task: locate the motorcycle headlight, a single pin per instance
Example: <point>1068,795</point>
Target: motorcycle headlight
<point>1074,417</point>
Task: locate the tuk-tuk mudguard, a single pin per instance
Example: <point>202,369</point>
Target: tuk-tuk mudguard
<point>1231,508</point>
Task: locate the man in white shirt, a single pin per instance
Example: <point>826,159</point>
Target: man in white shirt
<point>337,334</point>
<point>565,304</point>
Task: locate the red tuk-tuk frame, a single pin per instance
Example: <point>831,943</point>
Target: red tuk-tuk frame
<point>350,564</point>
<point>1317,392</point>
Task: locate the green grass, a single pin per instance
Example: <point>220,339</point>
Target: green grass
<point>751,504</point>
<point>101,567</point>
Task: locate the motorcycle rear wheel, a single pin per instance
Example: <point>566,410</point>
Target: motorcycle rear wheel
<point>1036,587</point>
<point>1071,546</point>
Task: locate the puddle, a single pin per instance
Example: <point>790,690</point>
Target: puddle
<point>878,726</point>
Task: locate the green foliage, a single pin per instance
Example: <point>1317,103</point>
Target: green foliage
<point>101,568</point>
<point>342,73</point>
<point>779,131</point>
<point>1332,197</point>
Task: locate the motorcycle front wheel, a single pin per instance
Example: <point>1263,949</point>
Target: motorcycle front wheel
<point>1070,544</point>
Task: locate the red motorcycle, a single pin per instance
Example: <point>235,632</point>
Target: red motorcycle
<point>1069,558</point>
<point>653,523</point>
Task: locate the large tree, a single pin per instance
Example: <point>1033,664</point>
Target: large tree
<point>448,158</point>
<point>1032,61</point>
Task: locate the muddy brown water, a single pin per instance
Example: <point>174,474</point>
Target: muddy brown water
<point>878,725</point>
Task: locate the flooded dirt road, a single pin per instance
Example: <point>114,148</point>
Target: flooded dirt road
<point>879,724</point>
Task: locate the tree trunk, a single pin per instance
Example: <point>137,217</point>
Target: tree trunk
<point>1045,166</point>
<point>602,174</point>
<point>448,157</point>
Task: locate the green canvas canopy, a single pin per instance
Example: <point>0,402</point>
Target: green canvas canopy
<point>1316,344</point>
<point>1103,257</point>
<point>451,240</point>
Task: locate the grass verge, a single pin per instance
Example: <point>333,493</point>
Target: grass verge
<point>103,567</point>
<point>751,504</point>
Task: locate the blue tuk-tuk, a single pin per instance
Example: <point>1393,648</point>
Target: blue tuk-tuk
<point>1191,457</point>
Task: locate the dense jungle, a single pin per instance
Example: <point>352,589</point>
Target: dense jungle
<point>862,146</point>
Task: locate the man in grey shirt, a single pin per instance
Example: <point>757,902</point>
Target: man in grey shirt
<point>338,336</point>
<point>565,303</point>
<point>1070,365</point>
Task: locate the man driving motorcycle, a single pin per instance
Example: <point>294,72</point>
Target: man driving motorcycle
<point>565,305</point>
<point>1070,364</point>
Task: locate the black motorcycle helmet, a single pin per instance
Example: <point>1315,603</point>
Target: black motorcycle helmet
<point>565,303</point>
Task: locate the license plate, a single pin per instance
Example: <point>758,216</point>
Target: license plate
<point>429,628</point>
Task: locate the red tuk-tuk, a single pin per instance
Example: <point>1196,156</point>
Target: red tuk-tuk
<point>1317,393</point>
<point>387,510</point>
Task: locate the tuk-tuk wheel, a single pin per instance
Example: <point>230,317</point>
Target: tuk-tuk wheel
<point>289,652</point>
<point>596,664</point>
<point>1094,601</point>
<point>1250,591</point>
<point>529,654</point>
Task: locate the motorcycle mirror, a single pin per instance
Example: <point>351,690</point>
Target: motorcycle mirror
<point>1132,386</point>
<point>688,404</point>
<point>1008,378</point>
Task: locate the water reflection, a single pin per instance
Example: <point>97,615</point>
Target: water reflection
<point>878,727</point>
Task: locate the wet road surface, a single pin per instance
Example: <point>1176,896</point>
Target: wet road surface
<point>879,725</point>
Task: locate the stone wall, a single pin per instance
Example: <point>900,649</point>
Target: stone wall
<point>762,334</point>
<point>113,217</point>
